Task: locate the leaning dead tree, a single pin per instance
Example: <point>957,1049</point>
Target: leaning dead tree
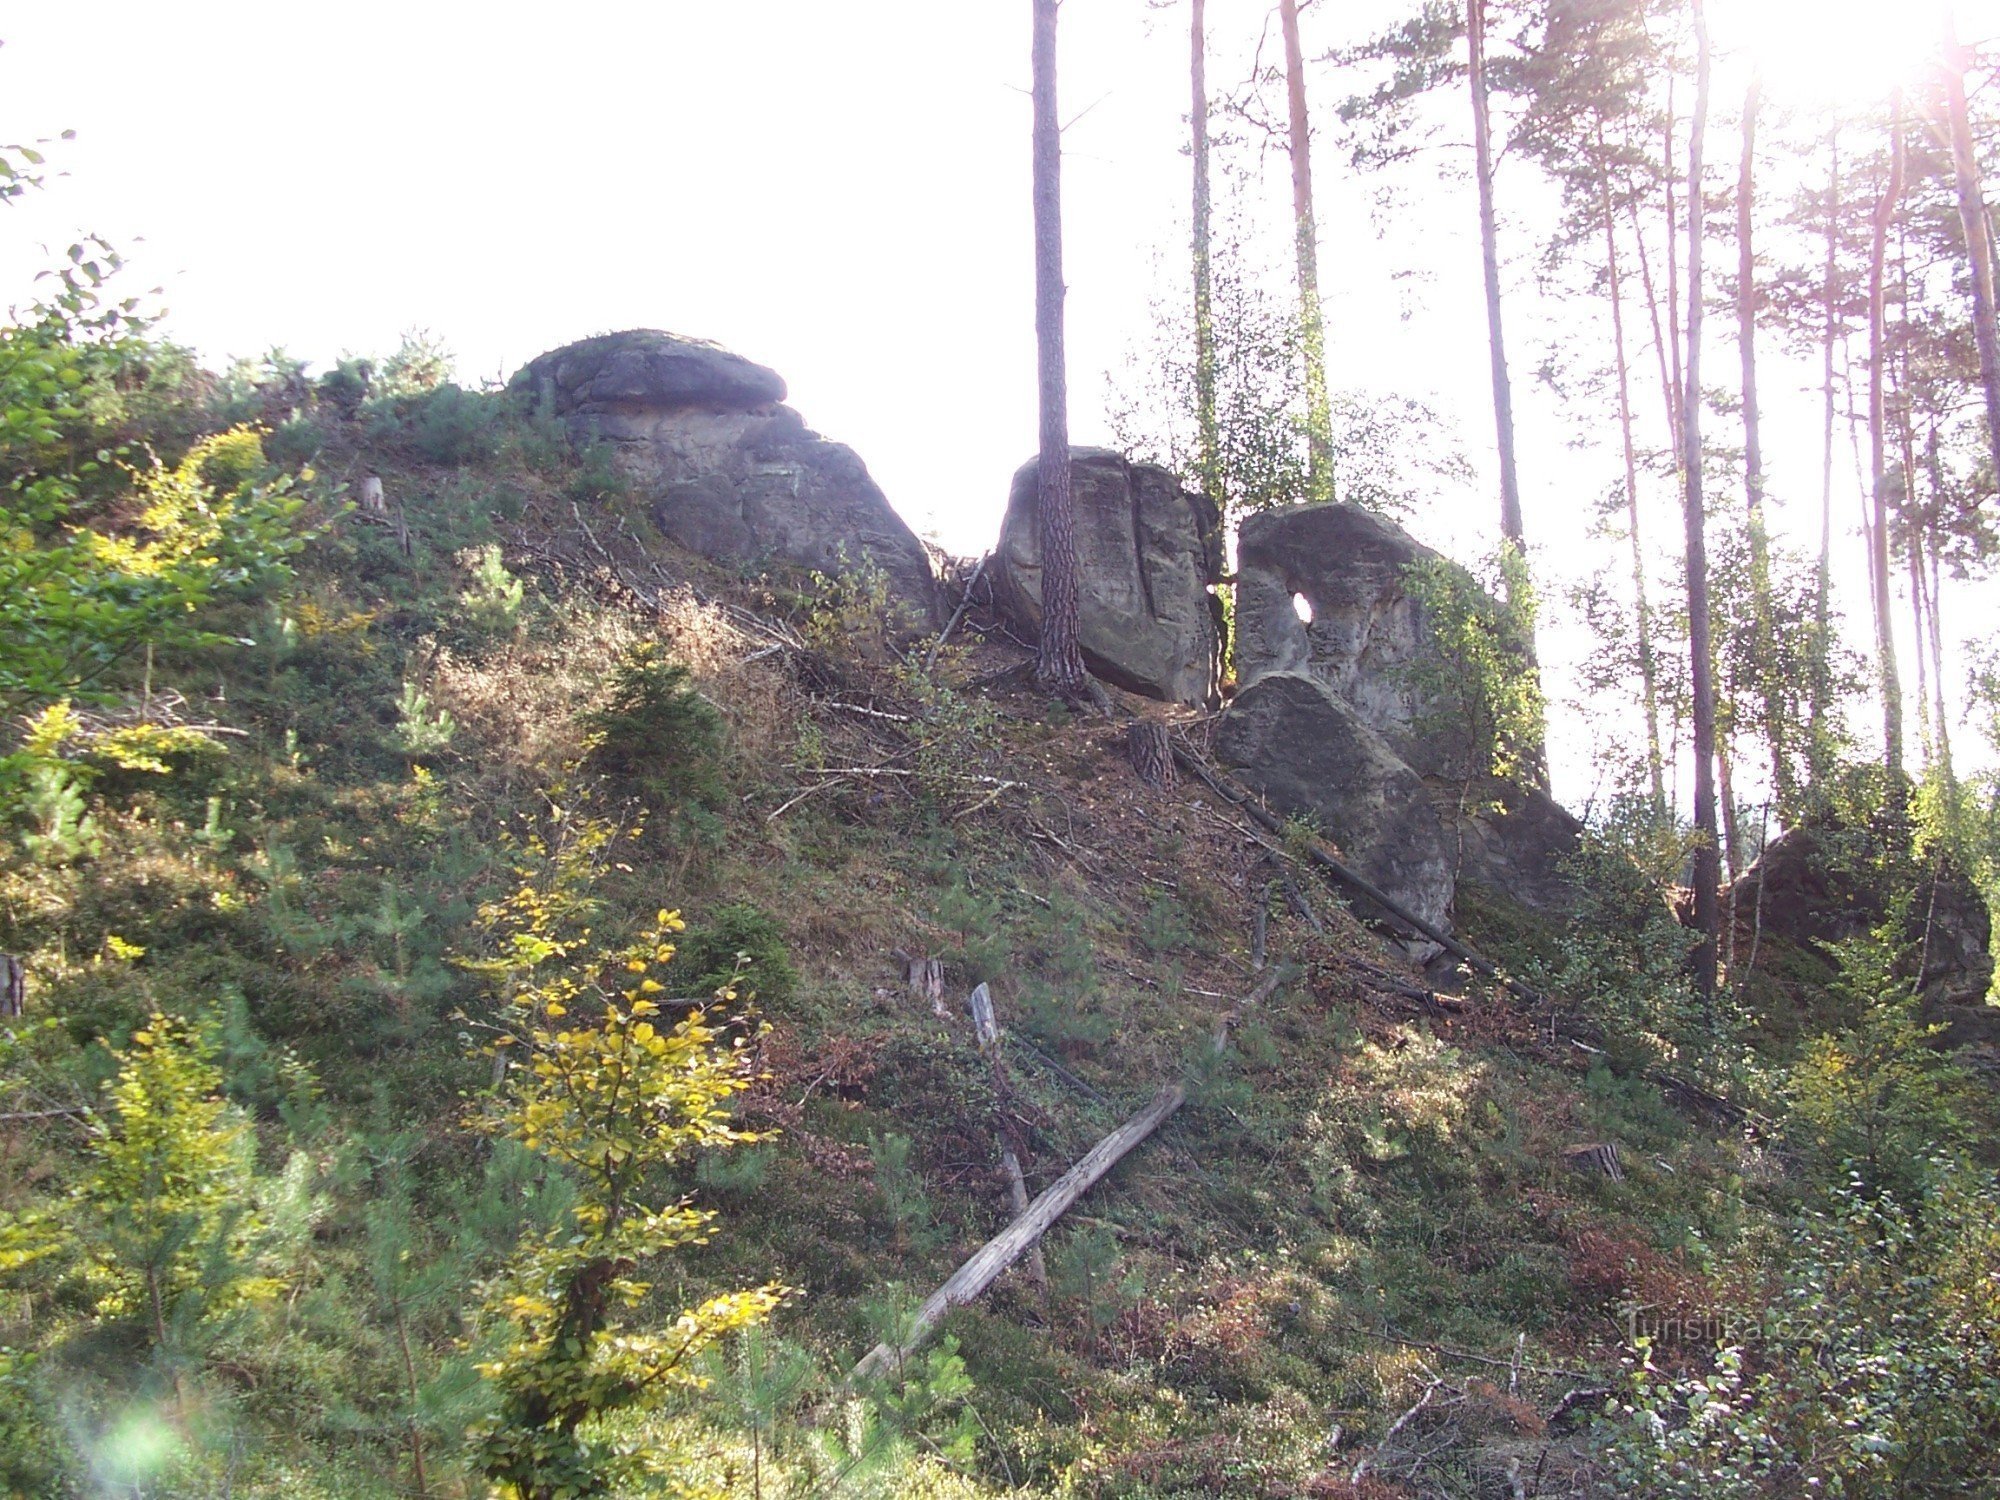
<point>987,1263</point>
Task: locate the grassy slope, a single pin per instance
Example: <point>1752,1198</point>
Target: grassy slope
<point>1357,1184</point>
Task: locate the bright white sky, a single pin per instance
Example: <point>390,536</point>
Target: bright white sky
<point>838,191</point>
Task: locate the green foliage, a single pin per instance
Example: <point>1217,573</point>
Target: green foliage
<point>495,596</point>
<point>1479,695</point>
<point>739,949</point>
<point>1876,1098</point>
<point>656,731</point>
<point>608,1101</point>
<point>1622,957</point>
<point>420,729</point>
<point>854,608</point>
<point>1873,1369</point>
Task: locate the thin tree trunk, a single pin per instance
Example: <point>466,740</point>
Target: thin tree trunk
<point>1489,254</point>
<point>1878,525</point>
<point>1059,665</point>
<point>1700,659</point>
<point>1648,679</point>
<point>1769,689</point>
<point>1669,387</point>
<point>413,1390</point>
<point>1819,753</point>
<point>1674,344</point>
<point>1913,507</point>
<point>1305,230</point>
<point>1207,429</point>
<point>1935,593</point>
<point>1972,219</point>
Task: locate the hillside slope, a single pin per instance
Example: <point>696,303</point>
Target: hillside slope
<point>1373,1254</point>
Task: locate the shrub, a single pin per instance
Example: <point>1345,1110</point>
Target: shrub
<point>656,730</point>
<point>740,947</point>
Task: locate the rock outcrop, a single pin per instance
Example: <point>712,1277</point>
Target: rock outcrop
<point>1820,884</point>
<point>1306,750</point>
<point>1323,596</point>
<point>1148,555</point>
<point>727,470</point>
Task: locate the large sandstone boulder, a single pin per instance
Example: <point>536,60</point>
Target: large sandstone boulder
<point>1323,592</point>
<point>1294,740</point>
<point>729,472</point>
<point>1148,554</point>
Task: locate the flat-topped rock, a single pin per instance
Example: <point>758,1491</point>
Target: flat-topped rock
<point>644,367</point>
<point>727,470</point>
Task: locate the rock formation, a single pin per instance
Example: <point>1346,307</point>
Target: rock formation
<point>1306,750</point>
<point>726,469</point>
<point>1821,883</point>
<point>1148,554</point>
<point>1323,600</point>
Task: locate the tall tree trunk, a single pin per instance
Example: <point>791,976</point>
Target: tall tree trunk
<point>1489,253</point>
<point>1935,464</point>
<point>1674,344</point>
<point>1972,219</point>
<point>1819,754</point>
<point>1878,524</point>
<point>1648,678</point>
<point>1913,506</point>
<point>1208,431</point>
<point>1769,689</point>
<point>1305,234</point>
<point>1060,663</point>
<point>1701,660</point>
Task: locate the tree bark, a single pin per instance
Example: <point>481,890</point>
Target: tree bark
<point>1769,690</point>
<point>1972,219</point>
<point>1878,522</point>
<point>1674,344</point>
<point>1489,254</point>
<point>1207,429</point>
<point>1648,678</point>
<point>1152,756</point>
<point>1700,659</point>
<point>1059,664</point>
<point>1305,232</point>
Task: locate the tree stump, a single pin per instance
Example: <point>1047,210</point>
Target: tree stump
<point>1152,757</point>
<point>1599,1158</point>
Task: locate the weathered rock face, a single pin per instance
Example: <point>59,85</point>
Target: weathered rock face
<point>1817,885</point>
<point>1361,632</point>
<point>1306,749</point>
<point>1148,552</point>
<point>729,472</point>
<point>1323,594</point>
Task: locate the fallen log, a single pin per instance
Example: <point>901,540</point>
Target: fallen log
<point>997,1254</point>
<point>1000,1252</point>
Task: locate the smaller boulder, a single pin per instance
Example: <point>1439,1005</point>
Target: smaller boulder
<point>1148,554</point>
<point>1291,738</point>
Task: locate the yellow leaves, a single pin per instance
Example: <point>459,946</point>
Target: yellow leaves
<point>555,1009</point>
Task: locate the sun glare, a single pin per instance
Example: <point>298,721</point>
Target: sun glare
<point>1848,53</point>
